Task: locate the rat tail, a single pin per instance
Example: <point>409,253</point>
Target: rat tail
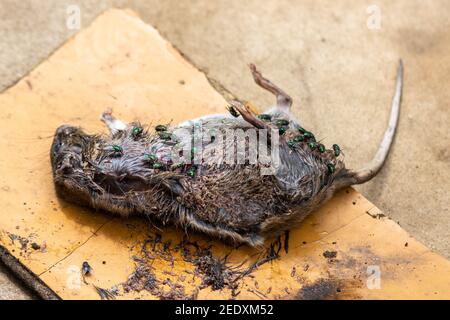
<point>350,177</point>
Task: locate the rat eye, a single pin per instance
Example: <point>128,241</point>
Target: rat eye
<point>66,170</point>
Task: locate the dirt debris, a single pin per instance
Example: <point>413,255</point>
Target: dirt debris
<point>319,290</point>
<point>330,254</point>
<point>214,272</point>
<point>376,215</point>
<point>22,240</point>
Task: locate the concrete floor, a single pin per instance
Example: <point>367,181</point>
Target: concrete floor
<point>320,54</point>
<point>11,288</point>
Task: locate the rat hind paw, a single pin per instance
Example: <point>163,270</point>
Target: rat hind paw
<point>114,125</point>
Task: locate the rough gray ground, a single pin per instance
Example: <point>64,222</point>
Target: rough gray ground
<point>11,288</point>
<point>320,54</point>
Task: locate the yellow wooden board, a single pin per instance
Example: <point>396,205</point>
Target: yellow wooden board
<point>346,250</point>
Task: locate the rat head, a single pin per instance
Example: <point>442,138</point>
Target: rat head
<point>66,151</point>
<point>69,153</point>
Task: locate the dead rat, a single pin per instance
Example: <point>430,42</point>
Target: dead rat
<point>187,175</point>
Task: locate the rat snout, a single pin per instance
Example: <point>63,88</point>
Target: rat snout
<point>66,149</point>
<point>57,140</point>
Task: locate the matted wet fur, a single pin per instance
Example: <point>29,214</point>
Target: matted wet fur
<point>132,171</point>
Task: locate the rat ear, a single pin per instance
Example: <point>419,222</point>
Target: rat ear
<point>114,125</point>
<point>284,101</point>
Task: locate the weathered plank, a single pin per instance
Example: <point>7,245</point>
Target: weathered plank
<point>122,63</point>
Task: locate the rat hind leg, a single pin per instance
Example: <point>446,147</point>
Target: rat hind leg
<point>284,101</point>
<point>114,125</point>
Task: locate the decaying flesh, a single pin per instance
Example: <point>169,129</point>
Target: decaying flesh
<point>130,172</point>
